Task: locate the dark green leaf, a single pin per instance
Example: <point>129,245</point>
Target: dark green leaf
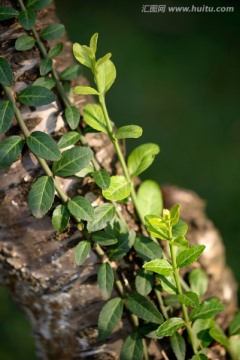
<point>189,298</point>
<point>72,115</point>
<point>81,208</point>
<point>169,327</point>
<point>38,4</point>
<point>188,257</point>
<point>105,280</point>
<point>10,149</point>
<point>53,32</point>
<point>67,139</point>
<point>159,266</point>
<point>144,282</point>
<point>132,348</point>
<point>125,242</point>
<point>6,75</point>
<point>55,50</point>
<point>200,357</point>
<point>105,75</point>
<point>43,146</point>
<point>27,18</point>
<point>85,90</point>
<point>103,238</point>
<point>103,215</point>
<point>7,12</point>
<point>149,198</point>
<point>118,189</point>
<point>60,218</point>
<point>102,178</point>
<point>143,308</point>
<point>41,196</point>
<point>141,158</point>
<point>72,161</point>
<point>179,229</point>
<point>168,283</point>
<point>71,72</point>
<point>24,43</point>
<point>82,251</point>
<point>45,66</point>
<point>45,81</point>
<point>200,330</point>
<point>234,327</point>
<point>109,317</point>
<point>198,281</point>
<point>129,132</point>
<point>36,96</point>
<point>171,300</point>
<point>147,249</point>
<point>6,115</point>
<point>207,309</point>
<point>178,346</point>
<point>93,116</point>
<point>218,335</point>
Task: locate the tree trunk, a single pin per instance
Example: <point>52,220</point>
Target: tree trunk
<point>60,299</point>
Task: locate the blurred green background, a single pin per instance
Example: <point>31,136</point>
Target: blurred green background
<point>178,78</point>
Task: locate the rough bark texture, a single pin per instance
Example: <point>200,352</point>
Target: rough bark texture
<point>62,300</point>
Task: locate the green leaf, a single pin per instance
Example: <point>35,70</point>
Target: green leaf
<point>149,198</point>
<point>103,238</point>
<point>72,161</point>
<point>27,18</point>
<point>93,42</point>
<point>168,283</point>
<point>171,300</point>
<point>103,59</point>
<point>102,178</point>
<point>10,149</point>
<point>179,229</point>
<point>24,43</point>
<point>45,66</point>
<point>41,196</point>
<point>132,348</point>
<point>141,158</point>
<point>200,357</point>
<point>144,282</point>
<point>84,54</point>
<point>129,132</point>
<point>6,75</point>
<point>218,335</point>
<point>234,347</point>
<point>6,115</point>
<point>67,139</point>
<point>207,309</point>
<point>157,227</point>
<point>125,242</point>
<point>180,241</point>
<point>7,12</point>
<point>188,257</point>
<point>178,346</point>
<point>103,215</point>
<point>200,330</point>
<point>81,208</point>
<point>189,298</point>
<point>105,76</point>
<point>93,116</point>
<point>169,327</point>
<point>43,146</point>
<point>53,32</point>
<point>82,251</point>
<point>85,171</point>
<point>85,90</point>
<point>175,213</point>
<point>234,327</point>
<point>70,72</point>
<point>147,249</point>
<point>36,96</point>
<point>105,280</point>
<point>109,317</point>
<point>55,50</point>
<point>60,218</point>
<point>72,115</point>
<point>198,281</point>
<point>159,266</point>
<point>45,81</point>
<point>143,308</point>
<point>38,4</point>
<point>118,189</point>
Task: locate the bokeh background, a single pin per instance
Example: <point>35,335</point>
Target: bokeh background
<point>177,77</point>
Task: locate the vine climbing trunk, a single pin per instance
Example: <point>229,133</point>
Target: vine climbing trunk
<point>60,299</point>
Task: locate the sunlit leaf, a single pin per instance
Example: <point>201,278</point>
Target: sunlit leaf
<point>149,198</point>
<point>169,327</point>
<point>207,309</point>
<point>141,158</point>
<point>118,189</point>
<point>93,116</point>
<point>129,132</point>
<point>159,266</point>
<point>189,256</point>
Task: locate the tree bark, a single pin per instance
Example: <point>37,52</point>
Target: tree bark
<point>60,299</point>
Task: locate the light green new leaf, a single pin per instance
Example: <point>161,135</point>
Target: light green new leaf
<point>189,298</point>
<point>38,4</point>
<point>93,116</point>
<point>149,198</point>
<point>67,139</point>
<point>179,229</point>
<point>169,327</point>
<point>178,346</point>
<point>188,257</point>
<point>85,171</point>
<point>24,43</point>
<point>143,308</point>
<point>103,215</point>
<point>102,178</point>
<point>45,66</point>
<point>60,218</point>
<point>45,81</point>
<point>85,90</point>
<point>234,346</point>
<point>175,213</point>
<point>168,283</point>
<point>104,239</point>
<point>10,149</point>
<point>103,59</point>
<point>72,115</point>
<point>198,281</point>
<point>157,227</point>
<point>71,72</point>
<point>6,75</point>
<point>41,196</point>
<point>6,115</point>
<point>129,132</point>
<point>53,32</point>
<point>141,158</point>
<point>118,189</point>
<point>234,327</point>
<point>105,280</point>
<point>36,96</point>
<point>207,309</point>
<point>43,146</point>
<point>81,208</point>
<point>147,249</point>
<point>55,50</point>
<point>72,161</point>
<point>105,76</point>
<point>82,251</point>
<point>132,348</point>
<point>27,18</point>
<point>83,54</point>
<point>7,12</point>
<point>159,266</point>
<point>109,317</point>
<point>93,42</point>
<point>144,282</point>
<point>180,241</point>
<point>218,335</point>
